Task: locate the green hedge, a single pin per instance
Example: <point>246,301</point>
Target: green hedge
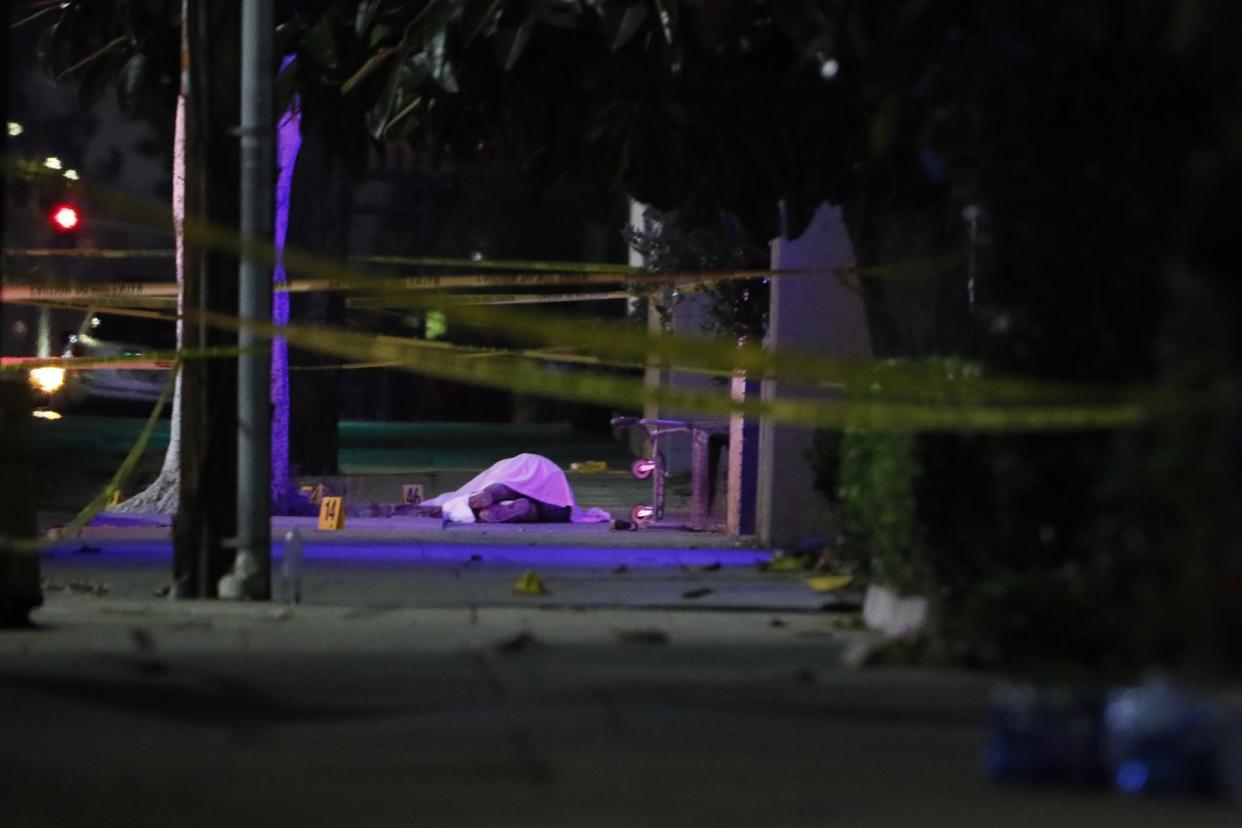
<point>1101,552</point>
<point>874,475</point>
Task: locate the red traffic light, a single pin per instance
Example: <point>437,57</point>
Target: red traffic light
<point>65,217</point>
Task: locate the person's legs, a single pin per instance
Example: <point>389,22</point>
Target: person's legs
<point>517,510</point>
<point>499,504</point>
<point>552,514</point>
<point>494,493</point>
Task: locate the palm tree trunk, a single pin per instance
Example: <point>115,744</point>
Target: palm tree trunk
<point>317,221</point>
<point>163,495</point>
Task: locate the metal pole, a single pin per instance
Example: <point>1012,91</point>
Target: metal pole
<point>258,163</point>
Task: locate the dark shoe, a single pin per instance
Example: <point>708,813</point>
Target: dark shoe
<point>509,511</point>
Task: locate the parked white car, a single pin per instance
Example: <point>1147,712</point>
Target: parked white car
<point>118,384</point>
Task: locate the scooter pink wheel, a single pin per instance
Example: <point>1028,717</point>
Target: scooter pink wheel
<point>642,468</point>
<point>642,514</point>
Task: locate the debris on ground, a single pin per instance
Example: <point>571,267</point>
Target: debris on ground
<point>698,592</point>
<point>144,642</point>
<point>829,583</point>
<point>529,584</point>
<point>75,586</point>
<point>648,636</point>
<point>517,643</point>
<point>787,562</point>
<point>620,569</point>
<point>588,466</point>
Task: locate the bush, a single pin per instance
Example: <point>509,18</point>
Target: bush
<point>874,475</point>
<point>876,493</point>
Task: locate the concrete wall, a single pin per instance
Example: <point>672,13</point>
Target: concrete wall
<point>813,313</point>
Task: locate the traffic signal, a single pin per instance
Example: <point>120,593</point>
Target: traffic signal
<point>65,221</point>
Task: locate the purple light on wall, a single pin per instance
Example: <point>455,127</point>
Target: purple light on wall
<point>288,142</point>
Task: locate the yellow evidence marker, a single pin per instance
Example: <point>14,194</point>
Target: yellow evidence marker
<point>314,494</point>
<point>116,498</point>
<point>529,584</point>
<point>412,493</point>
<point>331,513</point>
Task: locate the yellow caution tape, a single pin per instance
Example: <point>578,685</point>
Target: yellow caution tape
<point>495,264</point>
<point>385,303</point>
<point>130,291</point>
<point>617,341</point>
<point>607,389</point>
<point>85,253</point>
<point>90,363</point>
<point>105,310</point>
<point>611,341</point>
<point>106,495</point>
<point>911,269</point>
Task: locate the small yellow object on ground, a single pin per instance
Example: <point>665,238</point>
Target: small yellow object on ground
<point>529,584</point>
<point>829,583</point>
<point>588,466</point>
<point>116,498</point>
<point>314,494</point>
<point>786,563</point>
<point>331,514</point>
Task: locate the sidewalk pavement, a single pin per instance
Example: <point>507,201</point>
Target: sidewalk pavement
<point>468,566</point>
<point>413,687</point>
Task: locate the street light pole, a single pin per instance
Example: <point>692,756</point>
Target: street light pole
<point>252,569</point>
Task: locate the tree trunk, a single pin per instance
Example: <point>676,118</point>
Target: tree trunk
<point>208,510</point>
<point>317,221</point>
<point>288,146</point>
<point>163,495</point>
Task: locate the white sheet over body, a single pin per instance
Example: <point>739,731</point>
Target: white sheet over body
<point>531,475</point>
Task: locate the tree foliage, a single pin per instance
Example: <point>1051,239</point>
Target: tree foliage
<point>681,104</point>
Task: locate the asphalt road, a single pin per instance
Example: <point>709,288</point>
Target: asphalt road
<point>364,709</point>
